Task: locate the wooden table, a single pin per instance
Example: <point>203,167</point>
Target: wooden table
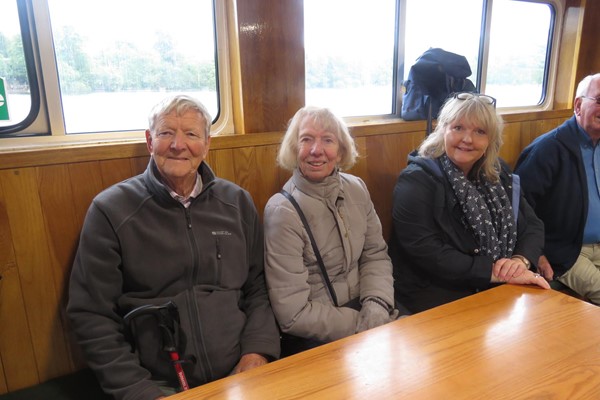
<point>511,342</point>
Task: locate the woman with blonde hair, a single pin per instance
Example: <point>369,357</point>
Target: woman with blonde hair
<point>460,221</point>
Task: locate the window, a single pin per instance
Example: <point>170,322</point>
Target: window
<point>508,46</point>
<point>19,100</point>
<point>113,68</point>
<point>349,50</point>
<point>107,63</point>
<point>519,52</point>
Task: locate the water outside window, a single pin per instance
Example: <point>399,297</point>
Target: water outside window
<point>116,59</point>
<point>349,48</point>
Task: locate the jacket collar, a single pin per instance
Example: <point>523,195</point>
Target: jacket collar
<point>158,189</point>
<point>329,188</point>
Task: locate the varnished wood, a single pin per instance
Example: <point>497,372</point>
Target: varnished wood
<point>569,52</point>
<point>16,347</point>
<point>271,41</point>
<point>56,200</point>
<point>40,217</point>
<point>34,266</point>
<point>35,157</point>
<point>52,198</point>
<point>589,56</point>
<point>511,342</point>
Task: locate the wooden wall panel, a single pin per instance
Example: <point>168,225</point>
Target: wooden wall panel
<point>267,172</point>
<point>222,161</point>
<point>86,181</point>
<point>569,51</point>
<point>31,247</point>
<point>360,168</point>
<point>42,209</point>
<point>386,157</point>
<point>16,346</point>
<point>512,143</point>
<point>115,171</point>
<point>589,56</point>
<point>62,227</point>
<point>139,164</point>
<point>246,171</point>
<point>271,47</point>
<point>3,387</point>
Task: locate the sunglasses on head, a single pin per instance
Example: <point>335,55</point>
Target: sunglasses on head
<point>469,95</point>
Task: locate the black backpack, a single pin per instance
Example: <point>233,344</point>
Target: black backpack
<point>435,75</point>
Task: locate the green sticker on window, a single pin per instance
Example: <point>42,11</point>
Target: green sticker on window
<point>3,102</point>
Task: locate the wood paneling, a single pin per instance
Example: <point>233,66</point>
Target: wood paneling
<point>589,56</point>
<point>568,53</point>
<point>16,345</point>
<point>34,265</point>
<point>43,207</point>
<point>271,62</point>
<point>45,193</point>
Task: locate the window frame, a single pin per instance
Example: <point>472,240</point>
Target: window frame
<point>550,73</point>
<point>47,129</point>
<point>27,38</point>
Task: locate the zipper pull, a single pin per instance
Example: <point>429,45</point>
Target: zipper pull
<point>188,218</point>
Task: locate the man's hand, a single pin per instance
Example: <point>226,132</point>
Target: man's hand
<point>249,361</point>
<point>545,268</point>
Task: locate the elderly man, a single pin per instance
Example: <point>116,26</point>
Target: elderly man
<point>178,234</point>
<point>560,176</point>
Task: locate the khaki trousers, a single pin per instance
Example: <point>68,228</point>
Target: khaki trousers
<point>584,275</point>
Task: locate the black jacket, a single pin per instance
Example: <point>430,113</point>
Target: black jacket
<point>436,259</point>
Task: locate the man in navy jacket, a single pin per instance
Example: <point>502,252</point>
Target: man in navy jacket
<point>560,175</point>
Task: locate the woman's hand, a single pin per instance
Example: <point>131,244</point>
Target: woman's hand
<point>530,278</point>
<point>507,268</point>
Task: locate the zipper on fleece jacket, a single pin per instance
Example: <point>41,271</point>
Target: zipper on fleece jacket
<point>193,309</point>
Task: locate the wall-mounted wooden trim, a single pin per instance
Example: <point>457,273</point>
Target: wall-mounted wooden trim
<point>81,153</point>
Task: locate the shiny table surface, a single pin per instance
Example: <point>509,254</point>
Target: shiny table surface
<point>510,342</point>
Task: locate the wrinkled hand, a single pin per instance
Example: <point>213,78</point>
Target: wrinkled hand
<point>371,315</point>
<point>530,278</point>
<point>545,268</point>
<point>507,268</point>
<point>249,361</point>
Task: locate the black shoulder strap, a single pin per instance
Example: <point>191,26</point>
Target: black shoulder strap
<point>314,245</point>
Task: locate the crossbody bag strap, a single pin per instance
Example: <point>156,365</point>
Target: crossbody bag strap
<point>314,245</point>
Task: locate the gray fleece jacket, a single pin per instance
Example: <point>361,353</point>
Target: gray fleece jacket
<point>140,246</point>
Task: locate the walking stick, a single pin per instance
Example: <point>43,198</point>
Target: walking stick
<point>166,315</point>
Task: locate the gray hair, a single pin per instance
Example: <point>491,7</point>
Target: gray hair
<point>325,119</point>
<point>479,112</point>
<point>584,85</point>
<point>179,103</point>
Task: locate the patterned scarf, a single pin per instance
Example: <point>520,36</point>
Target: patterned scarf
<point>487,211</point>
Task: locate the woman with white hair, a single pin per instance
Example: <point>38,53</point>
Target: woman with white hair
<point>328,276</point>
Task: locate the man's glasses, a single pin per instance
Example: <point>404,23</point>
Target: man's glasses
<point>469,95</point>
<point>596,99</point>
